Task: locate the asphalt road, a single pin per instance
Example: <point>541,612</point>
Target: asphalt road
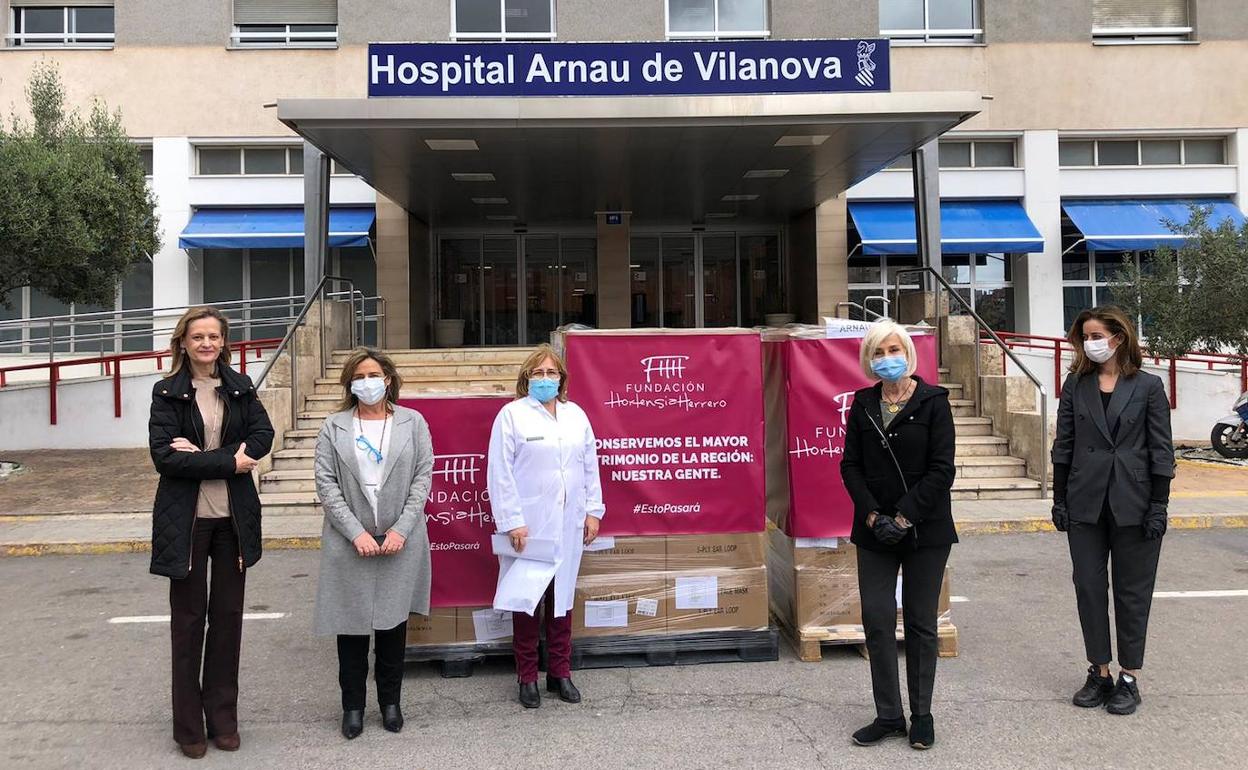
<point>77,691</point>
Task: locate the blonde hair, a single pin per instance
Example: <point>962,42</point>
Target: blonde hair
<point>357,357</point>
<point>539,354</point>
<point>879,332</point>
<point>177,352</point>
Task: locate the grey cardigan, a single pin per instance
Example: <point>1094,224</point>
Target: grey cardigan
<point>356,594</point>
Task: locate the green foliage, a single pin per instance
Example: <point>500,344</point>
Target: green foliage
<point>75,209</point>
<point>1195,299</point>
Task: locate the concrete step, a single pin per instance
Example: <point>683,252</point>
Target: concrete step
<point>972,426</point>
<point>290,503</point>
<point>981,446</point>
<point>300,438</point>
<point>954,388</point>
<point>439,370</point>
<point>512,356</point>
<point>996,489</point>
<point>289,459</point>
<point>418,379</point>
<point>962,407</point>
<point>991,467</point>
<point>298,480</point>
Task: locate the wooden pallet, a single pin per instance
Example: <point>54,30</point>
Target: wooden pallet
<point>456,660</point>
<point>809,641</point>
<point>676,649</point>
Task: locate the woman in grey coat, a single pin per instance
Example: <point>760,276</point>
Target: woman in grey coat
<point>374,466</point>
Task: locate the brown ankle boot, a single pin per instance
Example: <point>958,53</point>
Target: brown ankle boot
<point>227,742</point>
<point>194,750</point>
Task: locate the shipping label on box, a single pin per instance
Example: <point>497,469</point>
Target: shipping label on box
<point>693,552</point>
<point>438,627</point>
<point>615,555</point>
<point>482,624</point>
<point>739,603</point>
<point>619,604</point>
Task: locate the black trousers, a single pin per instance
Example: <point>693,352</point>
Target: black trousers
<point>922,571</point>
<point>388,651</point>
<point>213,697</point>
<point>1133,561</point>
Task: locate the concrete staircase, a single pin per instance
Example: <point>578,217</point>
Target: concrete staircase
<point>985,470</point>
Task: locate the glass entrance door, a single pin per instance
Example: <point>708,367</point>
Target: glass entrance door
<point>500,316</point>
<point>541,286</point>
<point>679,276</point>
<point>719,280</point>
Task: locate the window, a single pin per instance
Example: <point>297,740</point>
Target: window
<point>274,160</point>
<point>503,20</point>
<point>931,21</point>
<point>1074,153</point>
<point>1130,21</point>
<point>717,19</point>
<point>145,157</point>
<point>967,153</point>
<point>285,24</point>
<point>36,25</point>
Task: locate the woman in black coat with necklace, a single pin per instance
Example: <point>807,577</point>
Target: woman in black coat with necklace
<point>898,468</point>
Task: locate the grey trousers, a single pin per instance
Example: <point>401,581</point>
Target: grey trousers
<point>922,570</point>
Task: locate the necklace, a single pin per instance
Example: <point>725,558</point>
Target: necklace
<point>895,406</point>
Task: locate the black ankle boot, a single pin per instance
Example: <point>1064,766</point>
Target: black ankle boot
<point>879,730</point>
<point>1126,696</point>
<point>352,723</point>
<point>922,731</point>
<point>392,718</point>
<point>530,698</point>
<point>563,685</point>
<point>1095,691</point>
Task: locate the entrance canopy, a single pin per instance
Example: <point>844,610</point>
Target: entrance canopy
<point>476,161</point>
<point>271,228</point>
<point>1142,225</point>
<point>967,227</point>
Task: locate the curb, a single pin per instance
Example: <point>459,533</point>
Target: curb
<point>1187,521</point>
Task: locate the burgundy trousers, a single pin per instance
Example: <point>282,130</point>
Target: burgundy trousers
<point>525,631</point>
<point>213,697</point>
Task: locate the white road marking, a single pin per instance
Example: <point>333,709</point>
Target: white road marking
<point>1199,594</point>
<point>959,599</point>
<point>165,618</point>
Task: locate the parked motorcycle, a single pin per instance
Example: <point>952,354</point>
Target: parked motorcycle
<point>1230,434</point>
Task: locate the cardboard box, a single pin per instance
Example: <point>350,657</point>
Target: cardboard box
<point>438,627</point>
<point>625,554</point>
<point>826,597</point>
<point>623,604</point>
<point>827,553</point>
<point>717,599</point>
<point>482,625</point>
<point>694,552</point>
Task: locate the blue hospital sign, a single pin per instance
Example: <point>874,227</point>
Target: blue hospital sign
<point>628,69</point>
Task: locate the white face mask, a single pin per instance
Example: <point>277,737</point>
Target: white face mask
<point>1098,351</point>
<point>369,390</point>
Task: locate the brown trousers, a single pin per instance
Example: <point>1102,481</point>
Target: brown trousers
<point>213,698</point>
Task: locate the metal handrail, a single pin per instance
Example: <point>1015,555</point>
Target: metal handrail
<point>863,308</point>
<point>979,380</point>
<point>316,293</point>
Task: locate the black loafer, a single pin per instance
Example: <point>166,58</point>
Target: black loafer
<point>879,730</point>
<point>1126,696</point>
<point>1095,691</point>
<point>530,698</point>
<point>563,685</point>
<point>352,723</point>
<point>392,718</point>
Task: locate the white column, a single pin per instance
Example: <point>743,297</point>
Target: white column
<point>1038,277</point>
<point>1239,156</point>
<point>175,281</point>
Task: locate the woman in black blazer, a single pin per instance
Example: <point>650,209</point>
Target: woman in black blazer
<point>1113,460</point>
<point>207,430</point>
<point>902,520</point>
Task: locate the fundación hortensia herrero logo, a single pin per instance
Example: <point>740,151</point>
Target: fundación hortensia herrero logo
<point>866,65</point>
<point>668,384</point>
<point>458,495</point>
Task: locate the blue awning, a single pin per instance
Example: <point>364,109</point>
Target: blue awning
<point>271,228</point>
<point>1140,225</point>
<point>966,227</point>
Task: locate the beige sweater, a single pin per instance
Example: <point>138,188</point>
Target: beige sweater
<point>214,496</point>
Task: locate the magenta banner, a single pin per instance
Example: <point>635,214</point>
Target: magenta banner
<point>820,378</point>
<point>457,514</point>
<point>679,423</point>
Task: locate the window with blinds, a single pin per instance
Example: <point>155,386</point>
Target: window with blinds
<point>1142,20</point>
<point>41,24</point>
<point>285,23</point>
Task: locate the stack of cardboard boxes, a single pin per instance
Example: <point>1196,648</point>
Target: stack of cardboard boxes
<point>634,587</point>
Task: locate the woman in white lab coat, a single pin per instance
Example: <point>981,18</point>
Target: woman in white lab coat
<point>544,493</point>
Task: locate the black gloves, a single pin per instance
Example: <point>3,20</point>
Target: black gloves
<point>887,530</point>
<point>1155,520</point>
<point>1061,519</point>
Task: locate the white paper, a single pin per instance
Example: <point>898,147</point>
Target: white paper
<point>648,607</point>
<point>522,584</point>
<point>612,614</point>
<point>601,544</point>
<point>535,548</point>
<point>838,328</point>
<point>491,624</point>
<point>697,593</point>
<point>816,542</point>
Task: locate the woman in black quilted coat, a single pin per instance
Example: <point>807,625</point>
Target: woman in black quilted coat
<point>207,431</point>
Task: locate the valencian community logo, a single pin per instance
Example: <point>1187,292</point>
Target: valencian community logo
<point>866,65</point>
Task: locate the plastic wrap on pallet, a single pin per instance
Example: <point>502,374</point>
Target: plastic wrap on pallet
<point>734,551</point>
<point>614,555</point>
<point>673,602</point>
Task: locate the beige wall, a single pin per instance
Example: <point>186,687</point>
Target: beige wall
<point>393,276</point>
<point>614,278</point>
<point>819,272</point>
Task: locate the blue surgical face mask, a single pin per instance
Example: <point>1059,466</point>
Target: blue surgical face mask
<point>543,390</point>
<point>369,390</point>
<point>890,368</point>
